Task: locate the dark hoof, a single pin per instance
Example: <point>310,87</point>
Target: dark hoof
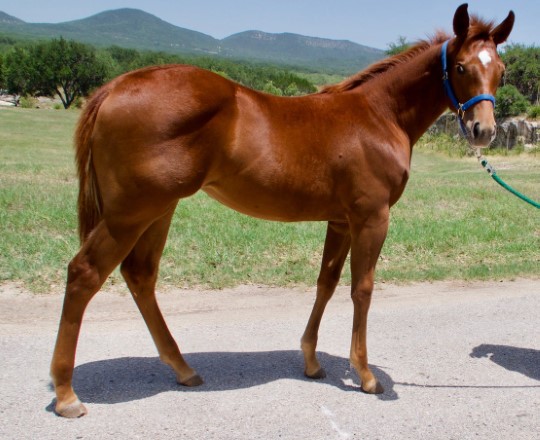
<point>193,381</point>
<point>319,374</point>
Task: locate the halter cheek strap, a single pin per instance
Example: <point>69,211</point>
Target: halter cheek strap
<point>461,108</point>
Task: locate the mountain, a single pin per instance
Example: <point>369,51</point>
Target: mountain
<point>137,29</point>
<point>8,19</point>
<point>301,50</point>
<point>130,28</point>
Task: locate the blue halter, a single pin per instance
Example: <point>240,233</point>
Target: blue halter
<point>461,108</point>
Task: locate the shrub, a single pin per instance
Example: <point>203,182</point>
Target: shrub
<point>28,102</point>
<point>78,103</point>
<point>510,102</point>
<point>534,111</point>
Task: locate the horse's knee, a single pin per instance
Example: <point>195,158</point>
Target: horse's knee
<point>361,295</point>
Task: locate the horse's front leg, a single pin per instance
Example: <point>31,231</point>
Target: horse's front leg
<point>367,234</point>
<point>336,248</point>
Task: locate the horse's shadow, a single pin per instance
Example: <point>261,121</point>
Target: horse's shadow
<point>133,378</point>
<point>522,360</point>
<point>127,379</point>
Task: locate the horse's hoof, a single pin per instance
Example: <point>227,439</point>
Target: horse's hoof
<point>193,381</point>
<point>319,374</point>
<point>373,387</point>
<point>72,411</point>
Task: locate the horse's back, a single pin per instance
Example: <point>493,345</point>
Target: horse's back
<point>162,99</point>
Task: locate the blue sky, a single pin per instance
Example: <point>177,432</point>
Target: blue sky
<point>372,23</point>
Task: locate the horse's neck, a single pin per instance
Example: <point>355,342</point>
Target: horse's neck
<point>415,94</point>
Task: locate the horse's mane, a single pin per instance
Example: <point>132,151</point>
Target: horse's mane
<point>479,29</point>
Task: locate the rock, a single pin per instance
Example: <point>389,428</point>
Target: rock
<point>8,100</point>
<point>510,131</point>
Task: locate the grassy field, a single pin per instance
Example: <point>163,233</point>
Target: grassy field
<point>453,221</point>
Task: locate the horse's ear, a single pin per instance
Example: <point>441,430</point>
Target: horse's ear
<point>461,21</point>
<point>501,32</point>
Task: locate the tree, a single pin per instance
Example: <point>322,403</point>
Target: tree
<point>292,90</point>
<point>510,102</point>
<point>269,87</point>
<point>69,69</point>
<point>2,73</point>
<point>126,59</point>
<point>400,46</point>
<point>58,67</point>
<point>19,71</point>
<point>523,70</point>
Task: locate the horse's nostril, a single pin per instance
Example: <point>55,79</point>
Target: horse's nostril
<point>476,130</point>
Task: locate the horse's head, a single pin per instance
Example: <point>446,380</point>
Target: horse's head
<point>474,71</point>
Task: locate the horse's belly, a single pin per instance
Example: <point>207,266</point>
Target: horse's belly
<point>286,206</point>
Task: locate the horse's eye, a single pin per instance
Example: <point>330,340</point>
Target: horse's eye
<point>460,69</point>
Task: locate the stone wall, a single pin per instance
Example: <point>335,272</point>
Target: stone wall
<point>510,131</point>
<point>7,100</point>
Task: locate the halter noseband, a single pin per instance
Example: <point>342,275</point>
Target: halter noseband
<point>461,108</point>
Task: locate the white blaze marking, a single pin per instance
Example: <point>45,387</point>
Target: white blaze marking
<point>484,57</point>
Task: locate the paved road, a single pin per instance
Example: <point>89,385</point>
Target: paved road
<point>458,361</point>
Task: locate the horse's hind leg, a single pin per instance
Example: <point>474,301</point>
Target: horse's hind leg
<point>336,248</point>
<point>140,270</point>
<point>99,255</point>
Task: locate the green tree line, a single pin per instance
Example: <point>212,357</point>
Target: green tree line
<point>71,70</point>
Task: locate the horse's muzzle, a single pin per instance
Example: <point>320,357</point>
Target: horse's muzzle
<point>482,134</point>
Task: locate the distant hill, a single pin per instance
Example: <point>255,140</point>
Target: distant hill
<point>137,29</point>
<point>8,19</point>
<point>123,27</point>
<point>300,50</point>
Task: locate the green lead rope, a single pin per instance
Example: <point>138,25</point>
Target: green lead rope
<point>491,171</point>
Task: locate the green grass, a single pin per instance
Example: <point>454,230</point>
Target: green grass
<point>37,196</point>
<point>453,222</point>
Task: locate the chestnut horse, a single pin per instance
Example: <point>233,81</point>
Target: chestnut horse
<point>154,136</point>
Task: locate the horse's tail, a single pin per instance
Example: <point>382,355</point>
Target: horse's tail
<point>90,202</point>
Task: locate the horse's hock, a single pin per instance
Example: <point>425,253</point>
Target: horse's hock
<point>510,131</point>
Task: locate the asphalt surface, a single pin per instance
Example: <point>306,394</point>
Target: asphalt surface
<point>457,360</point>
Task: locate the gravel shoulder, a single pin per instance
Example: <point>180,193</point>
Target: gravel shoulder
<point>458,360</point>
